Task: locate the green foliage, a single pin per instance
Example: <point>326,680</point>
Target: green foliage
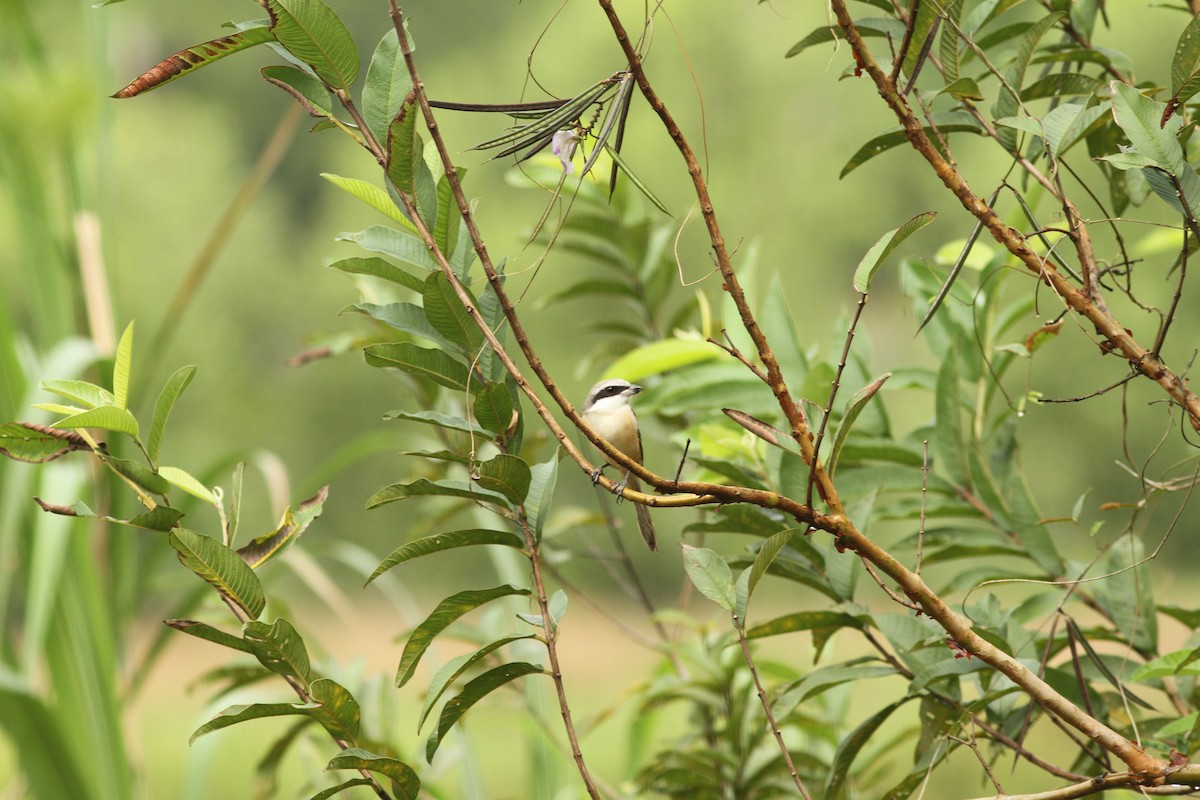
<point>818,488</point>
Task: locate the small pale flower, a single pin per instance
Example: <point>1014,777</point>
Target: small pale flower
<point>563,144</point>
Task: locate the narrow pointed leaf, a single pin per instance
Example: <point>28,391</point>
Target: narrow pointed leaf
<point>333,791</point>
<point>449,216</point>
<point>192,58</point>
<point>471,694</point>
<point>448,315</point>
<point>221,567</point>
<point>945,122</point>
<point>107,418</point>
<point>1007,104</point>
<point>766,556</point>
<point>386,86</point>
<point>241,713</point>
<point>887,243</point>
<point>850,747</point>
<point>305,87</point>
<point>710,574</point>
<point>440,420</point>
<point>401,246</point>
<point>440,542</point>
<point>446,613</point>
<point>542,479</point>
<point>123,368</point>
<point>406,167</point>
<point>313,33</point>
<point>87,395</point>
<point>662,356</point>
<point>404,780</point>
<point>174,387</point>
<point>637,182</point>
<point>138,473</point>
<point>208,633</point>
<point>407,317</point>
<point>1185,69</point>
<point>26,441</point>
<point>455,668</point>
<point>853,408</point>
<point>379,268</point>
<point>421,362</point>
<point>370,194</point>
<point>803,621</point>
<point>279,648</point>
<point>182,480</point>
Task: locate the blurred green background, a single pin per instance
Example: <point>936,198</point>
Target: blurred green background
<point>159,171</point>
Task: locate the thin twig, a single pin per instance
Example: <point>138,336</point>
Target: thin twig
<point>766,704</point>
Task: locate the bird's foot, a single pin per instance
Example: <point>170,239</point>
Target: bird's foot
<point>620,488</point>
<point>596,475</point>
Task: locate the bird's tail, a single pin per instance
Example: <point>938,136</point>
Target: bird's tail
<point>645,524</point>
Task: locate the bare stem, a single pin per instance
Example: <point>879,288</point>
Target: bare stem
<point>762,698</point>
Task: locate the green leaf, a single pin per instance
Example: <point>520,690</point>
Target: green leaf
<point>850,747</point>
<point>471,694</point>
<point>303,86</point>
<point>948,434</point>
<point>391,242</point>
<point>174,387</point>
<point>448,315</point>
<point>1061,84</point>
<point>423,487</point>
<point>192,58</point>
<point>711,575</point>
<point>493,408</point>
<point>440,542</point>
<point>313,33</point>
<point>455,668</point>
<point>440,420</point>
<point>182,480</point>
<point>1007,104</point>
<point>507,475</point>
<point>88,395</point>
<point>540,498</point>
<point>138,473</point>
<point>637,182</point>
<point>406,167</point>
<point>106,418</point>
<point>766,555</point>
<point>370,194</point>
<point>1138,116</point>
<point>447,611</point>
<point>338,712</point>
<point>208,633</point>
<point>24,441</point>
<point>379,268</point>
<point>386,86</point>
<point>1180,662</point>
<point>825,678</point>
<point>883,248</point>
<point>221,567</point>
<point>922,28</point>
<point>407,317</point>
<point>858,401</point>
<point>332,791</point>
<point>123,368</point>
<point>946,122</point>
<point>866,27</point>
<point>449,216</point>
<point>405,782</point>
<point>663,355</point>
<point>803,621</point>
<point>279,648</point>
<point>421,362</point>
<point>1185,68</point>
<point>293,523</point>
<point>241,713</point>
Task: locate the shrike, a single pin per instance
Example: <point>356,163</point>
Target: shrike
<point>607,411</point>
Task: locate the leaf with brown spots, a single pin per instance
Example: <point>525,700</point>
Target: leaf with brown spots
<point>26,441</point>
<point>195,57</point>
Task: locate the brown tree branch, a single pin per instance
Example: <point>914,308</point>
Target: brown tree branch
<point>1108,328</point>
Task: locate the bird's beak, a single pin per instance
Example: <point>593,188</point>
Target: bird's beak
<point>634,388</point>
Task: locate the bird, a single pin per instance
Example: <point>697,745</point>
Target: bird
<point>607,412</point>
